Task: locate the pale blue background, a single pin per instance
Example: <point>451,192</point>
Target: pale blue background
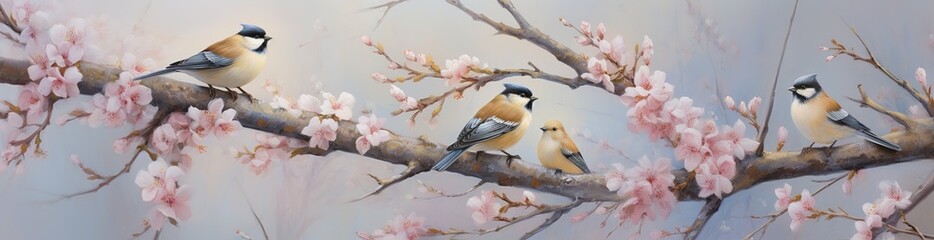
<point>310,204</point>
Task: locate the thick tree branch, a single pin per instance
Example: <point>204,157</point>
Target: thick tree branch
<point>753,170</point>
<point>706,212</point>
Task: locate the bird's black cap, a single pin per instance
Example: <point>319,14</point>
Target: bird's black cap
<point>807,81</point>
<point>517,89</point>
<point>250,30</point>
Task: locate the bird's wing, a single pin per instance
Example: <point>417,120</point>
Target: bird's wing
<point>202,60</point>
<point>479,130</point>
<point>844,118</point>
<point>577,159</point>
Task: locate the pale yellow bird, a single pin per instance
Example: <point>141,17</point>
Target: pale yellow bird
<point>229,63</point>
<point>557,151</point>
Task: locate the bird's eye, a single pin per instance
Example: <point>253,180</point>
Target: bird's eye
<point>554,129</point>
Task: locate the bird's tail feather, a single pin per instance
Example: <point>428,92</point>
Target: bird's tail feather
<point>448,159</point>
<point>869,136</point>
<point>153,74</point>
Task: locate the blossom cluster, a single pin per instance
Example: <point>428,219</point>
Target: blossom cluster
<point>646,188</point>
<point>706,149</point>
<point>614,57</point>
<point>269,148</point>
<point>892,199</point>
<point>54,50</point>
<point>159,183</point>
<point>486,207</point>
<point>408,227</point>
<point>188,130</point>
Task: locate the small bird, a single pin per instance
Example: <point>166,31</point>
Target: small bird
<point>229,63</point>
<point>821,119</point>
<point>557,151</point>
<point>498,125</point>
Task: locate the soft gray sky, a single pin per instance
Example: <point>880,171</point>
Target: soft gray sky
<point>317,41</point>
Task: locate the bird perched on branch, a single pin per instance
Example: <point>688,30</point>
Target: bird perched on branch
<point>557,151</point>
<point>498,125</point>
<point>821,119</point>
<point>229,63</point>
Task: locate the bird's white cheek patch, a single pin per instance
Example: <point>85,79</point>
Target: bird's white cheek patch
<point>252,43</point>
<point>807,92</point>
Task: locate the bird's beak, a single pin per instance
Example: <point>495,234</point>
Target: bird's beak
<point>791,89</point>
<point>267,38</point>
<point>534,98</point>
<point>543,129</point>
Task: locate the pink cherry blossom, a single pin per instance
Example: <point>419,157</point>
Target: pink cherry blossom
<point>164,138</point>
<point>31,100</point>
<point>408,104</point>
<point>690,149</point>
<point>585,28</point>
<point>63,86</point>
<point>396,93</point>
<point>754,105</point>
<point>891,190</point>
<point>75,34</point>
<point>528,197</point>
<point>711,183</point>
<point>648,50</point>
<point>784,197</point>
<point>135,65</point>
<point>922,77</point>
<point>459,69</point>
<point>379,77</point>
<point>409,227</point>
<point>174,203</point>
<point>863,231</point>
<point>285,104</point>
<point>213,120</point>
<point>121,145</point>
<point>366,40</point>
<point>739,144</point>
<point>582,40</point>
<point>615,179</point>
<point>829,58</point>
<point>154,180</point>
<point>409,55</point>
<point>782,134</point>
<point>422,59</point>
<point>729,102</point>
<point>484,207</point>
<point>370,127</point>
<point>648,86</point>
<point>40,66</point>
<point>342,106</point>
<point>598,73</point>
<point>309,103</point>
<point>322,132</point>
<point>800,210</point>
<point>878,210</point>
<point>601,31</point>
<point>822,48</point>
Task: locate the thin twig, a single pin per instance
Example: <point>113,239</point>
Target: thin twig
<point>551,220</point>
<point>539,211</point>
<point>389,5</point>
<point>414,168</point>
<point>441,194</point>
<point>774,216</point>
<point>921,98</point>
<point>865,101</point>
<point>768,113</point>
